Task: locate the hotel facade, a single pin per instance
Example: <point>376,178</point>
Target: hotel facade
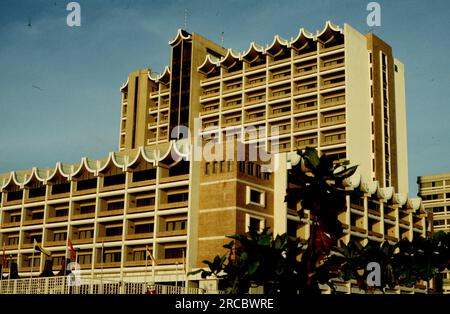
<point>435,193</point>
<point>337,90</point>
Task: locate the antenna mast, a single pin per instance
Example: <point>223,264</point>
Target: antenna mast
<point>186,13</point>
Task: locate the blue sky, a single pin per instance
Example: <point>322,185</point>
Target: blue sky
<point>59,86</point>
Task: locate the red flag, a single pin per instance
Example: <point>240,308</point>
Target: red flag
<point>72,251</point>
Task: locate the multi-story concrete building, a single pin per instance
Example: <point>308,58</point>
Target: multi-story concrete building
<point>435,193</point>
<point>338,91</point>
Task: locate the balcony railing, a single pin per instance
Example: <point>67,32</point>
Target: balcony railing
<point>10,224</point>
<point>56,219</point>
<point>256,82</point>
<point>55,243</point>
<point>107,265</point>
<point>171,233</point>
<point>107,213</point>
<point>109,238</point>
<point>137,263</point>
<point>173,205</point>
<point>323,50</point>
<point>141,209</point>
<point>88,285</point>
<point>83,241</point>
<point>147,235</point>
<point>329,65</point>
<point>83,216</point>
<point>33,222</point>
<point>168,261</point>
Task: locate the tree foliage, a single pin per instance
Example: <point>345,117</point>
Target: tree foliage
<point>284,264</point>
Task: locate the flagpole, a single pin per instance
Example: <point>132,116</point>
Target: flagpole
<point>153,269</point>
<point>176,274</point>
<point>65,257</point>
<point>31,269</point>
<point>32,264</point>
<point>101,277</point>
<point>10,264</point>
<point>3,261</point>
<point>146,265</point>
<point>183,281</point>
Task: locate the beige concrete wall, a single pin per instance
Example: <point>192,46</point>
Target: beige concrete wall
<point>358,116</point>
<point>402,143</point>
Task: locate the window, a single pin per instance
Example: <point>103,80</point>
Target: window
<point>255,197</point>
<point>59,236</point>
<point>85,259</point>
<point>439,222</point>
<point>148,201</point>
<point>241,166</point>
<point>143,228</point>
<point>176,225</point>
<point>174,252</point>
<point>112,257</point>
<point>437,184</point>
<point>58,260</point>
<point>37,215</point>
<point>254,223</point>
<point>15,218</point>
<point>206,168</point>
<point>14,196</point>
<point>144,175</point>
<point>433,197</point>
<point>86,234</point>
<point>139,255</point>
<point>229,166</point>
<point>117,205</point>
<point>250,168</point>
<point>13,240</point>
<point>37,237</point>
<point>37,192</point>
<point>87,184</point>
<point>113,231</point>
<point>180,197</point>
<point>61,188</point>
<point>439,209</point>
<point>61,212</point>
<point>179,169</point>
<point>258,171</point>
<point>87,209</point>
<point>117,179</point>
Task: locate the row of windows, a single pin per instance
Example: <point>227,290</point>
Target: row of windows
<point>108,257</point>
<point>433,197</point>
<point>252,169</point>
<point>218,167</point>
<point>112,231</point>
<point>91,183</point>
<point>435,184</point>
<point>440,222</point>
